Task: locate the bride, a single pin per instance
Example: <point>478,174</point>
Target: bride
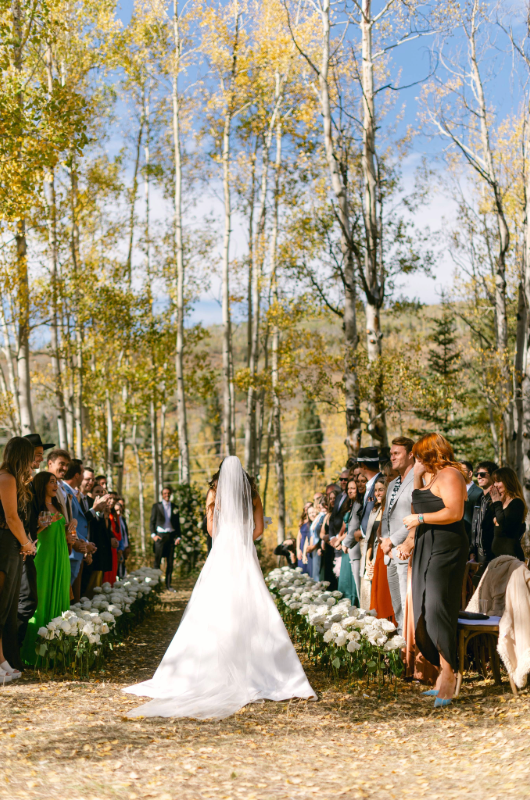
<point>231,647</point>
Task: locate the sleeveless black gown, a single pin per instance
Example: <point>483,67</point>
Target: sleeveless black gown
<point>438,564</point>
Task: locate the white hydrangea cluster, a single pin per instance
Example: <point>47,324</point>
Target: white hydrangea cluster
<point>96,618</point>
<point>331,614</point>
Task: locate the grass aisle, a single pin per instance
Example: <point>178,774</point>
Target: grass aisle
<point>68,739</point>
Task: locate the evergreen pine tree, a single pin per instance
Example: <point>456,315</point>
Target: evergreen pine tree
<point>442,398</point>
<point>309,438</point>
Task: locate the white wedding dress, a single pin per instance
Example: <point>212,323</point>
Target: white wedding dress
<point>231,647</point>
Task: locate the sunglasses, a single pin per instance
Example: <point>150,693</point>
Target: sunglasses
<point>483,474</point>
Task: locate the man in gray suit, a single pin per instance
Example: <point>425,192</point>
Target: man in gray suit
<point>393,532</point>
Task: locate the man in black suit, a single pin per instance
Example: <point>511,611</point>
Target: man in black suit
<point>368,463</point>
<point>165,532</point>
<point>474,495</point>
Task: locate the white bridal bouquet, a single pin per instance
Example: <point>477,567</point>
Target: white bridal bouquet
<point>333,630</point>
<point>79,638</point>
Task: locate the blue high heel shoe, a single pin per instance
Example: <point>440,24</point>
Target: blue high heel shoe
<point>431,693</point>
<point>442,702</point>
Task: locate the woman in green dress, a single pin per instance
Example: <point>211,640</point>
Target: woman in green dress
<point>346,580</point>
<point>52,560</point>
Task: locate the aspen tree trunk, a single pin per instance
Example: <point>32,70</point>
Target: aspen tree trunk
<point>351,339</point>
<point>372,283</point>
<point>11,371</point>
<point>163,411</point>
<point>141,500</point>
<point>257,270</point>
<point>228,414</point>
<point>182,422</point>
<point>153,411</point>
<point>523,361</point>
<point>110,440</point>
<point>227,446</point>
<point>78,402</point>
<point>121,438</point>
<point>23,377</point>
<point>276,402</point>
<point>134,194</point>
<point>501,317</point>
<point>249,419</point>
<point>53,261</point>
<point>13,422</point>
<point>153,422</point>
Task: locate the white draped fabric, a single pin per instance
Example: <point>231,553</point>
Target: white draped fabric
<point>231,647</point>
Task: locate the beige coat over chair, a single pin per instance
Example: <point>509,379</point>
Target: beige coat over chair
<point>492,587</point>
<point>514,627</point>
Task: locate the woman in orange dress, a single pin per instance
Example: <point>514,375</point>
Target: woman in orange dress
<point>380,598</point>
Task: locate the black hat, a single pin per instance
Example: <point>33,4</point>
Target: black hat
<point>368,455</point>
<point>36,441</point>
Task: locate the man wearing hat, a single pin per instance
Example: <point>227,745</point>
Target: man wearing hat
<point>40,447</point>
<point>368,461</point>
<point>27,599</point>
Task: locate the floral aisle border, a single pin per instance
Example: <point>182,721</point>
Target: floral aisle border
<point>80,639</point>
<point>189,500</point>
<point>333,632</point>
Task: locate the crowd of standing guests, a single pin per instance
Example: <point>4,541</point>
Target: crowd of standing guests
<point>396,536</point>
<point>62,534</point>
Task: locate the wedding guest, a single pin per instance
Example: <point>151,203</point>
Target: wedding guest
<point>27,600</point>
<point>439,540</point>
<point>303,535</point>
<point>15,494</point>
<point>40,447</point>
<point>165,530</point>
<point>81,548</point>
<point>482,524</point>
<point>307,553</point>
<point>57,462</point>
<point>347,584</point>
<point>380,597</point>
<point>314,547</point>
<point>361,482</point>
<point>124,547</point>
<point>369,545</point>
<point>327,558</point>
<point>510,511</point>
<point>352,540</point>
<point>85,490</point>
<point>116,533</point>
<point>368,459</point>
<point>101,536</point>
<point>474,495</point>
<point>393,531</point>
<point>101,480</point>
<point>47,526</point>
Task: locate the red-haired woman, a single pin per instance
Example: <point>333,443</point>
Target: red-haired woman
<point>438,538</point>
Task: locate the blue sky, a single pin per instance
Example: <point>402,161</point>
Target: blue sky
<point>502,76</point>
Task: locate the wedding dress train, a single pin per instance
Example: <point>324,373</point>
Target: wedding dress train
<point>231,647</point>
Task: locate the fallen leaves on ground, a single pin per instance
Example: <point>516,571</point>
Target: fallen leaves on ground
<point>62,738</point>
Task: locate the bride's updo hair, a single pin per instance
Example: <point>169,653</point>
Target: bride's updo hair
<point>215,480</point>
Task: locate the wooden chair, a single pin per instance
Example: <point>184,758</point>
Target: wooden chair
<point>469,629</point>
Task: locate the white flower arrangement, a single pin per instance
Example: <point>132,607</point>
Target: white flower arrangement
<point>330,628</point>
<point>90,623</point>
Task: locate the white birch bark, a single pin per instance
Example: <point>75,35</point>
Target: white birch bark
<point>182,422</point>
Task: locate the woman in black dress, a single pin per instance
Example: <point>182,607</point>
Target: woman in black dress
<point>510,511</point>
<point>438,537</point>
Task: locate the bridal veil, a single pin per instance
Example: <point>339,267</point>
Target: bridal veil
<point>231,647</point>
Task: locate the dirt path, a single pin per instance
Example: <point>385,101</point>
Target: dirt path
<point>68,739</point>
